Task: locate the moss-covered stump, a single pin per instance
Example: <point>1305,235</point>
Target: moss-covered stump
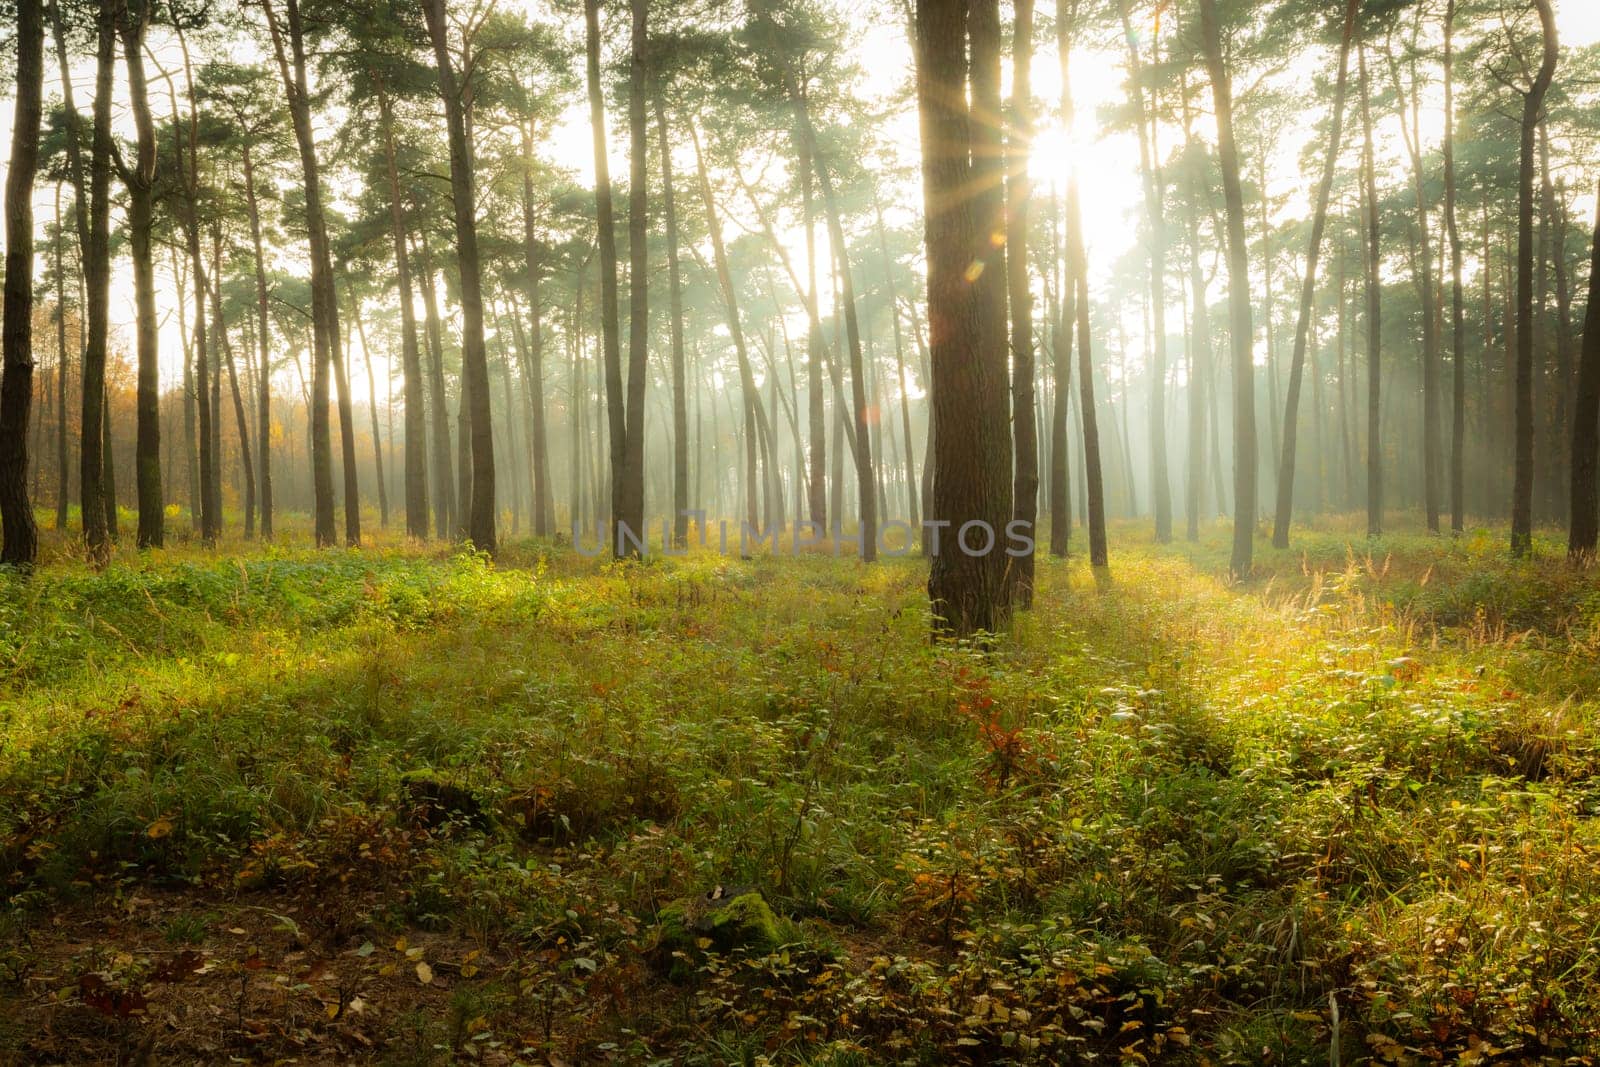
<point>727,919</point>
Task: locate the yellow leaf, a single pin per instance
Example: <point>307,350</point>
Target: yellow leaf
<point>332,1010</point>
<point>424,973</point>
<point>160,828</point>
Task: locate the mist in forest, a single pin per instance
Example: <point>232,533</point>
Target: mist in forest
<point>483,271</point>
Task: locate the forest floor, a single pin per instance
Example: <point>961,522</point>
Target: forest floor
<point>408,807</point>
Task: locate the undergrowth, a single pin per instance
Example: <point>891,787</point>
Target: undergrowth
<point>419,806</point>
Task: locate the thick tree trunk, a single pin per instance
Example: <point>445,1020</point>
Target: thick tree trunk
<point>1241,328</point>
<point>972,483</point>
<point>1532,108</point>
<point>21,538</point>
<point>1308,290</point>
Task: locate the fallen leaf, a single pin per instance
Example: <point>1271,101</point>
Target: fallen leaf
<point>424,973</point>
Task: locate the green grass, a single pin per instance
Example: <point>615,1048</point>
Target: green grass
<point>1164,820</point>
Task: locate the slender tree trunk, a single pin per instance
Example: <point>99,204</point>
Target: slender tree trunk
<point>226,349</point>
<point>264,341</point>
<point>747,382</point>
<point>1532,108</point>
<point>680,397</point>
<point>1585,521</point>
<point>1155,213</point>
<point>92,455</point>
<point>914,511</point>
<point>63,465</point>
<point>324,302</point>
<point>539,436</point>
<point>610,315</point>
<point>416,432</point>
<point>21,538</point>
<point>444,478</point>
<point>1241,328</point>
<point>140,181</point>
<point>1308,290</point>
<point>1019,192</point>
<point>1201,359</point>
<point>372,407</point>
<point>627,492</point>
<point>1458,331</point>
<point>1374,289</point>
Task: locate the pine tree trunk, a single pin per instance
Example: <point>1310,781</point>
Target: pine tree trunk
<point>1532,108</point>
<point>1241,329</point>
<point>967,591</point>
<point>543,520</point>
<point>324,303</point>
<point>1458,332</point>
<point>21,538</point>
<point>1308,290</point>
<point>1374,289</point>
<point>1155,214</point>
<point>444,478</point>
<point>264,340</point>
<point>92,455</point>
<point>1585,521</point>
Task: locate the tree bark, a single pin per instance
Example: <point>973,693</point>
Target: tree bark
<point>610,315</point>
<point>1458,332</point>
<point>1241,327</point>
<point>972,449</point>
<point>680,396</point>
<point>93,456</point>
<point>20,543</point>
<point>416,459</point>
<point>1374,290</point>
<point>539,438</point>
<point>627,490</point>
<point>324,302</point>
<point>1155,213</point>
<point>264,340</point>
<point>1585,520</point>
<point>1308,290</point>
<point>1532,107</point>
<point>1019,192</point>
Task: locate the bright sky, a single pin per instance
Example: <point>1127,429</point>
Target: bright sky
<point>1107,164</point>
